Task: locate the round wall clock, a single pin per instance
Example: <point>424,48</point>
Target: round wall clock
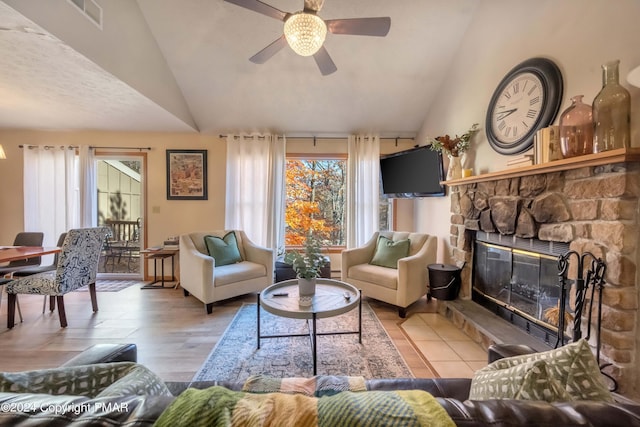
<point>526,100</point>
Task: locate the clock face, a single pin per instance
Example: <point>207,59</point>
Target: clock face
<point>526,100</point>
<point>518,108</point>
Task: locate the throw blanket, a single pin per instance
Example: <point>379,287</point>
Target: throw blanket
<point>219,406</point>
<point>318,386</point>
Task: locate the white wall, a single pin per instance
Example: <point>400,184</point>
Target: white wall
<point>164,217</point>
<point>579,35</point>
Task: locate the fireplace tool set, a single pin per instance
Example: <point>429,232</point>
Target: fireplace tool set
<point>588,280</point>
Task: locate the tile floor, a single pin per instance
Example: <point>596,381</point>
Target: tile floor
<point>446,348</point>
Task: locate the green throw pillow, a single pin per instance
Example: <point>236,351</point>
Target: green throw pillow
<point>573,366</point>
<point>224,250</point>
<point>526,381</point>
<point>389,252</point>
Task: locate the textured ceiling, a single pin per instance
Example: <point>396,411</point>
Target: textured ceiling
<point>383,85</point>
<point>48,85</point>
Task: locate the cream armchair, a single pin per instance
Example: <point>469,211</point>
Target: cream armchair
<point>200,276</point>
<point>400,287</point>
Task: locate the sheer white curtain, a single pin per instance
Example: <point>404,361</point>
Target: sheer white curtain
<point>255,195</point>
<point>363,188</point>
<point>51,199</point>
<point>87,184</point>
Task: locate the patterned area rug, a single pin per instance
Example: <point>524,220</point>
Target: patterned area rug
<point>235,356</point>
<point>112,285</point>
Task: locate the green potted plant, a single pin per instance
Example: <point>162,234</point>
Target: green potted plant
<point>307,264</point>
<point>454,148</point>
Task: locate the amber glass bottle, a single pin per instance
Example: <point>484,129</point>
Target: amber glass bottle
<point>576,129</point>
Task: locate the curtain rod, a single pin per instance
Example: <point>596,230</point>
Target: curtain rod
<point>315,138</point>
<point>72,147</point>
<point>326,137</point>
<point>47,147</point>
<point>122,148</point>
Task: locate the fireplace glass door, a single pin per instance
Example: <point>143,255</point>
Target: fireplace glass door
<point>522,281</point>
<point>493,271</point>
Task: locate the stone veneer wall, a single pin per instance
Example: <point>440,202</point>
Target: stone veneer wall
<point>593,208</point>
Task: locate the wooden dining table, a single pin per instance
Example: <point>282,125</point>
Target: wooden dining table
<point>15,253</point>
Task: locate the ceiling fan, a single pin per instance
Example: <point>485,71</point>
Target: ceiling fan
<point>305,31</point>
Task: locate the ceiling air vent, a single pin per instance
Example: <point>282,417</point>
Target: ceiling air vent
<point>90,9</point>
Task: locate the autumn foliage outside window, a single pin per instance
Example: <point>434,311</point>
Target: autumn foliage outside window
<point>315,201</point>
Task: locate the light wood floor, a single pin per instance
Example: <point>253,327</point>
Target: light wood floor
<point>173,333</point>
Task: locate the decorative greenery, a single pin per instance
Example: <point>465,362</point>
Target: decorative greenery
<point>308,264</point>
<point>455,146</point>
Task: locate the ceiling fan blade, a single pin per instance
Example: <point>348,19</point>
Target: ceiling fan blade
<point>258,6</point>
<point>265,54</point>
<point>313,5</point>
<point>360,26</point>
<point>324,61</point>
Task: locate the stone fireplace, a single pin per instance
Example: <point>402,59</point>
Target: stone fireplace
<point>584,204</point>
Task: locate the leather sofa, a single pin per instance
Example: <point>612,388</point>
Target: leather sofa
<point>26,409</point>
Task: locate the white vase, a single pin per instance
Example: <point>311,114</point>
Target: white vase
<point>306,286</point>
<point>455,168</point>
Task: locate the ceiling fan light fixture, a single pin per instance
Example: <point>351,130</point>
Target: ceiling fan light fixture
<point>305,33</point>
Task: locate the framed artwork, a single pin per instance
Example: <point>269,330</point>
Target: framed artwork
<point>186,174</point>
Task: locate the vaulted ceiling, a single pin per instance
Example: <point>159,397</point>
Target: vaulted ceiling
<point>186,67</point>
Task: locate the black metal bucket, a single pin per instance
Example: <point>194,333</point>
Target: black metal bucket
<point>444,281</point>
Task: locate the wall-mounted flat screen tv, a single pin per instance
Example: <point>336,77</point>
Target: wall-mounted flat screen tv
<point>412,173</point>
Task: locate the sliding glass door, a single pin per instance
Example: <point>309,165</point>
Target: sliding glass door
<point>120,200</point>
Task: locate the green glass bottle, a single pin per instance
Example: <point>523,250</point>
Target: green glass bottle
<point>611,112</point>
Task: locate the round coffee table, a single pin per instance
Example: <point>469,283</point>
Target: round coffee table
<point>332,298</point>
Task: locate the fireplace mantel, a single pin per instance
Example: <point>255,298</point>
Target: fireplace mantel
<point>608,157</point>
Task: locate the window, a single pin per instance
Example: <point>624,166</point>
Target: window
<point>386,212</point>
<point>315,199</point>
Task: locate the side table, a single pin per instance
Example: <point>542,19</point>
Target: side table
<point>161,255</point>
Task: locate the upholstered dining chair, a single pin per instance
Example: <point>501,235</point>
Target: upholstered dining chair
<point>3,282</point>
<point>77,267</point>
<point>35,269</point>
<point>25,238</point>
